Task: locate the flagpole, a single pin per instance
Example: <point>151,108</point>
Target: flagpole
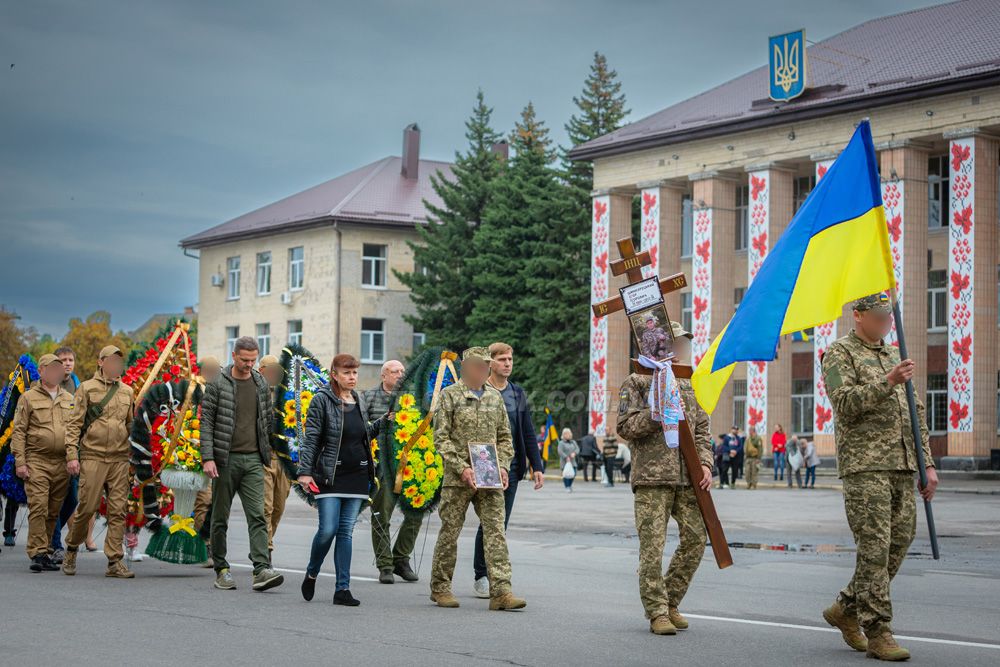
<point>911,402</point>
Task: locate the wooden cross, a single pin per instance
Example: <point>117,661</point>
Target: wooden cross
<point>631,265</point>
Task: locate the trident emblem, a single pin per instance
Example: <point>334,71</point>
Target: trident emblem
<point>786,65</point>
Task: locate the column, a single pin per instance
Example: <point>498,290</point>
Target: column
<point>972,276</point>
<point>664,203</point>
<point>823,336</point>
<point>712,287</point>
<point>600,283</point>
<point>903,166</point>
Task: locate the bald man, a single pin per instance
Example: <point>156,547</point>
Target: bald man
<point>276,483</point>
<point>392,560</point>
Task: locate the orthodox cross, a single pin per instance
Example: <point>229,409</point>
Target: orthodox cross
<point>631,264</point>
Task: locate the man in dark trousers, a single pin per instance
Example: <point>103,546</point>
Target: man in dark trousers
<point>589,454</point>
<point>525,446</point>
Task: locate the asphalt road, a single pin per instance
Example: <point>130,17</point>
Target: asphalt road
<point>574,558</point>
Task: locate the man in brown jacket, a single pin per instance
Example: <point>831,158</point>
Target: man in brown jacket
<point>39,445</point>
<point>662,490</point>
<point>97,450</point>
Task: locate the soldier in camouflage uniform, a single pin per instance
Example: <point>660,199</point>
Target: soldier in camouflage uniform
<point>472,412</point>
<point>662,489</point>
<point>876,458</point>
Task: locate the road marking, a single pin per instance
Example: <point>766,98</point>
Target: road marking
<point>793,626</point>
<point>960,573</point>
<point>247,566</point>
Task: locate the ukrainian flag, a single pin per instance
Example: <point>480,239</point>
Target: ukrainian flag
<point>835,250</point>
<point>550,435</point>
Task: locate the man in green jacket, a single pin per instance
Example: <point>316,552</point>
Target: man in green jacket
<point>236,419</point>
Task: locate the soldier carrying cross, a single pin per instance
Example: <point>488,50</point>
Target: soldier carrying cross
<point>662,473</point>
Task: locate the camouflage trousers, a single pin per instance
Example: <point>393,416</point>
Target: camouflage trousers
<point>753,467</point>
<point>654,505</point>
<point>882,513</point>
<point>489,507</point>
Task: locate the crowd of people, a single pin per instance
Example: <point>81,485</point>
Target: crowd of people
<point>738,456</point>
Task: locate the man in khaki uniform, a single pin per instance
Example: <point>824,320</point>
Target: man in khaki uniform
<point>39,445</point>
<point>97,449</point>
<point>471,411</point>
<point>662,490</point>
<point>276,482</point>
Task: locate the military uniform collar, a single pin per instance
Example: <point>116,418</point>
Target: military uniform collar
<point>467,391</point>
<point>104,380</point>
<point>878,347</point>
<point>38,386</point>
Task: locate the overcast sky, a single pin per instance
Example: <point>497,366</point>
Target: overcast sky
<point>127,126</point>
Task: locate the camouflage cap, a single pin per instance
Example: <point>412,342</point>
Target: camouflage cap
<point>877,302</point>
<point>48,359</point>
<point>679,331</point>
<point>476,354</point>
<point>267,360</point>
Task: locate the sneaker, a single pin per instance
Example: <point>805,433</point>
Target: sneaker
<point>446,599</point>
<point>404,571</point>
<point>385,576</point>
<point>132,555</point>
<point>507,602</point>
<point>37,564</point>
<point>661,625</point>
<point>267,579</point>
<point>8,540</point>
<point>57,556</point>
<point>224,580</point>
<point>308,588</point>
<point>482,587</point>
<point>118,570</point>
<point>345,598</point>
<point>69,562</point>
<point>848,626</point>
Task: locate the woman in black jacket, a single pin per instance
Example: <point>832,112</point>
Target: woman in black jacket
<point>336,464</point>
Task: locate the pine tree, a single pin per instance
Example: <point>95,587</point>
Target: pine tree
<point>441,288</point>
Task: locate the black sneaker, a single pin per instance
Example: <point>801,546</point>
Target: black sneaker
<point>50,565</point>
<point>403,570</point>
<point>37,564</point>
<point>308,588</point>
<point>57,556</point>
<point>345,598</point>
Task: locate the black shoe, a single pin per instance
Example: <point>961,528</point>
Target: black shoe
<point>308,588</point>
<point>385,576</point>
<point>345,598</point>
<point>403,570</point>
<point>37,564</point>
<point>50,565</point>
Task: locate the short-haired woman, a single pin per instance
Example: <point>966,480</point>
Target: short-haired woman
<point>568,449</point>
<point>336,464</point>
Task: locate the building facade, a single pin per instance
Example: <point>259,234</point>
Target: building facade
<point>318,268</point>
<point>721,175</point>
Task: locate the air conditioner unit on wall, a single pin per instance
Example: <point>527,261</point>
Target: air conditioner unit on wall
<point>286,298</point>
<point>217,280</point>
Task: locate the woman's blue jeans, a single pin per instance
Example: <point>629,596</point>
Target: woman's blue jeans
<point>336,520</point>
<point>810,473</point>
<point>779,465</point>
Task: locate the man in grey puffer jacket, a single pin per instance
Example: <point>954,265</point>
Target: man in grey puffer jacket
<point>236,415</point>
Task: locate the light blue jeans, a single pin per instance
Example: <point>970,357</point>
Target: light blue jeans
<point>336,520</point>
<point>779,465</point>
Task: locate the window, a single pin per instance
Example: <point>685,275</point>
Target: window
<point>419,340</point>
<point>296,268</point>
<point>802,406</point>
<point>372,341</point>
<point>738,294</point>
<point>295,332</point>
<point>801,187</point>
<point>937,300</point>
<point>264,338</point>
<point>373,265</point>
<point>742,216</point>
<point>687,227</point>
<point>233,270</point>
<point>937,192</point>
<point>740,404</point>
<point>232,333</point>
<point>937,403</point>
<point>264,273</point>
<point>687,312</point>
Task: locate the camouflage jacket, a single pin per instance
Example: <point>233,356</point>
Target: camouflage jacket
<point>871,419</point>
<point>653,463</point>
<point>463,418</point>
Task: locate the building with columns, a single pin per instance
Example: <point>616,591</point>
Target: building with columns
<point>719,177</point>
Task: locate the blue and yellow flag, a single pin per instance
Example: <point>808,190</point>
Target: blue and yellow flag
<point>550,435</point>
<point>835,250</point>
<point>800,337</point>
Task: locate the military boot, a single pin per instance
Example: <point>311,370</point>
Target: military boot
<point>117,570</point>
<point>507,602</point>
<point>446,599</point>
<point>69,562</point>
<point>848,626</point>
<point>884,647</point>
<point>677,619</point>
<point>661,625</point>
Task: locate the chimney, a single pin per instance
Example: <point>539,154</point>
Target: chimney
<point>502,150</point>
<point>411,151</point>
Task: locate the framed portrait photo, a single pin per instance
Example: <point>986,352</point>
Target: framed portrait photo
<point>485,465</point>
<point>653,335</point>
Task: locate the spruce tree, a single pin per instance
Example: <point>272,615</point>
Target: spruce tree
<point>441,287</point>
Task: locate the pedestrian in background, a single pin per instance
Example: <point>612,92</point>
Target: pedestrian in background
<point>609,452</point>
<point>588,456</point>
<point>795,461</point>
<point>778,440</point>
<point>753,449</point>
<point>568,450</point>
<point>811,460</point>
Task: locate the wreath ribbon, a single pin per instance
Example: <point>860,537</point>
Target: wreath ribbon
<point>186,524</point>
